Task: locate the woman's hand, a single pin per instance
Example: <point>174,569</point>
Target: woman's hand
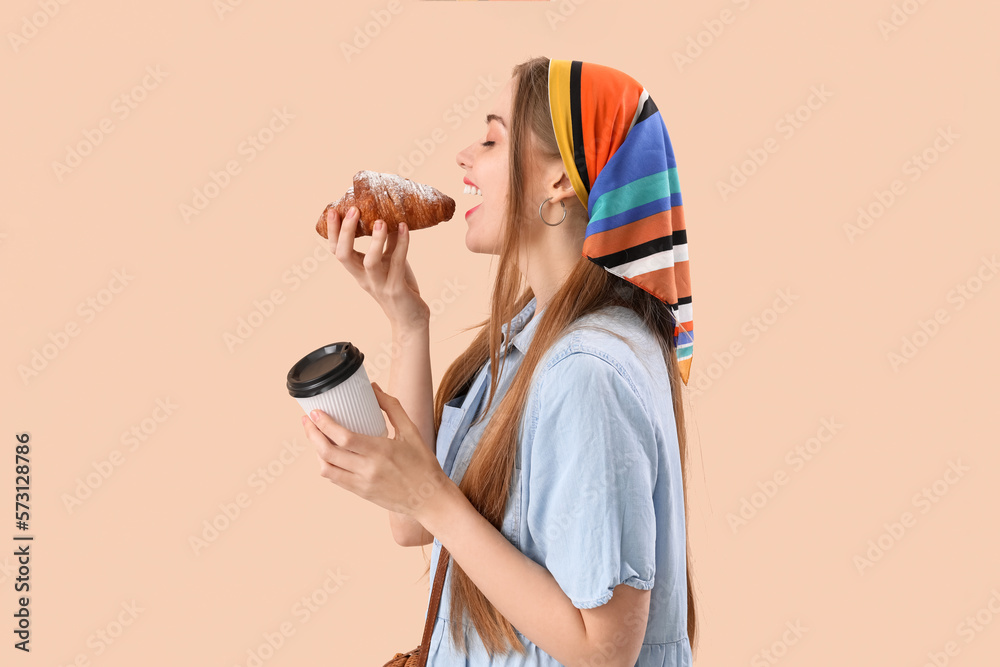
<point>385,274</point>
<point>400,473</point>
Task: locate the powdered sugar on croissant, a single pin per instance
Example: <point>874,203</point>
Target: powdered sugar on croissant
<point>392,198</point>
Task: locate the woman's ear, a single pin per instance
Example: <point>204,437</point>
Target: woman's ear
<point>563,190</point>
<point>558,186</point>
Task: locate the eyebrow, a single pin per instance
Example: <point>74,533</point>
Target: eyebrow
<point>493,116</point>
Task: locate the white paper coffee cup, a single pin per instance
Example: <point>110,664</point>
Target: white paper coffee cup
<point>333,379</point>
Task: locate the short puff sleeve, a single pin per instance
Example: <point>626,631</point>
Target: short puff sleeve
<point>593,465</point>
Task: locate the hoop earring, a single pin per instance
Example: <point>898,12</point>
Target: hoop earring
<point>551,224</point>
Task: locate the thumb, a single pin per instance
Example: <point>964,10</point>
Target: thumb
<point>400,421</point>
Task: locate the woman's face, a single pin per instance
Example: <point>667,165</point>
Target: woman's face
<point>485,162</point>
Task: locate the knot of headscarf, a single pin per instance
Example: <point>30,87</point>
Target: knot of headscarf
<point>617,153</point>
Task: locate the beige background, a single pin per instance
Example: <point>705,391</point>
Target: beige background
<point>854,299</point>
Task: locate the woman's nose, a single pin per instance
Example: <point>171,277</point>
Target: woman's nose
<point>462,158</point>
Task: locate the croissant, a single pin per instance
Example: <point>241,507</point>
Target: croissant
<point>393,199</point>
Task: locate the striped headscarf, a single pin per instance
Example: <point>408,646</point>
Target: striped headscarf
<point>617,153</point>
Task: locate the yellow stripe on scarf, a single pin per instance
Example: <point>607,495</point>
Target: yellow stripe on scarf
<point>562,122</point>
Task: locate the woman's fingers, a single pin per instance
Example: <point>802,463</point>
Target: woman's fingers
<point>332,228</point>
<point>343,247</point>
<point>382,264</point>
<point>397,261</point>
<point>330,451</point>
<point>373,257</point>
<point>390,245</point>
<point>401,422</point>
<point>348,230</point>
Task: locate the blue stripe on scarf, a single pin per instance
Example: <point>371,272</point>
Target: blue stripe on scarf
<point>644,156</point>
<point>627,216</point>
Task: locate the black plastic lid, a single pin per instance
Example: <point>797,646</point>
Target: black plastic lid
<point>323,369</point>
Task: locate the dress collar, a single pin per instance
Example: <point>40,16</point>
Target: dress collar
<point>523,330</point>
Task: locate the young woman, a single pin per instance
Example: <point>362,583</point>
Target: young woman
<point>558,494</point>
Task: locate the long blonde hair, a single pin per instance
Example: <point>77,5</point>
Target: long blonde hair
<point>588,288</point>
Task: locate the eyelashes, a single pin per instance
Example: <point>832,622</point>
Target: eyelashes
<point>487,143</point>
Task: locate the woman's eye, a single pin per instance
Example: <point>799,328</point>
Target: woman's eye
<point>487,143</point>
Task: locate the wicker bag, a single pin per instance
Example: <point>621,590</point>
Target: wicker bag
<point>418,657</point>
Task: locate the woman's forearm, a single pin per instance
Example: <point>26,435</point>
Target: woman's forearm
<point>410,381</point>
<point>410,378</point>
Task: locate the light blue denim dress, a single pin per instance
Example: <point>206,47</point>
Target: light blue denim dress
<point>596,495</point>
